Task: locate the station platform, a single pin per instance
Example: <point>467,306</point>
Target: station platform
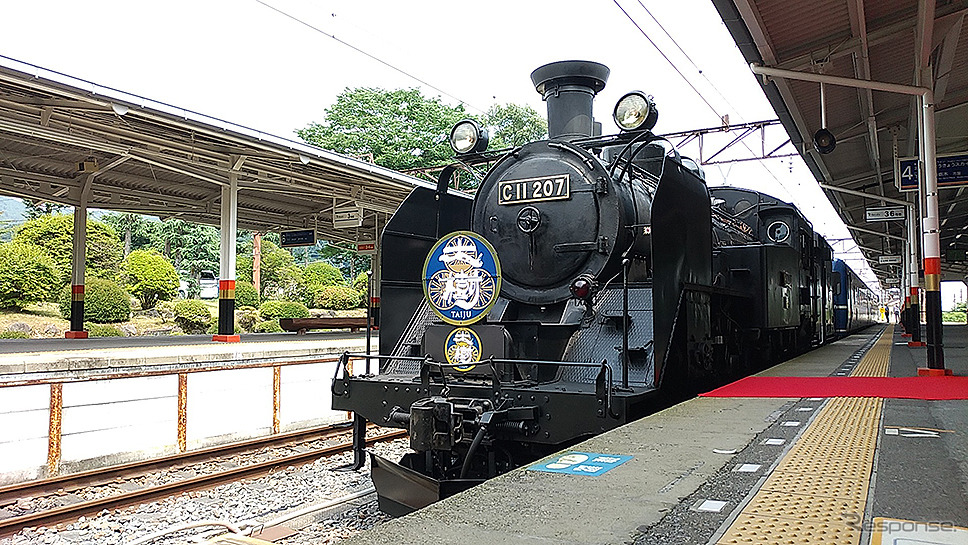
<point>27,360</point>
<point>733,470</point>
<point>69,405</point>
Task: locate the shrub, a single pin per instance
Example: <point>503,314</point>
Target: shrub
<point>55,233</point>
<point>192,316</point>
<point>361,283</point>
<point>323,274</point>
<point>338,297</point>
<point>149,277</point>
<point>246,294</point>
<point>246,318</point>
<point>283,309</point>
<point>27,275</point>
<point>15,335</point>
<point>268,326</point>
<point>104,302</point>
<point>102,330</point>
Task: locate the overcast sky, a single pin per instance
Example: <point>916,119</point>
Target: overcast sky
<point>274,66</point>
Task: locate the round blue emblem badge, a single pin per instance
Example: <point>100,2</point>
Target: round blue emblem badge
<point>462,278</point>
<point>462,346</point>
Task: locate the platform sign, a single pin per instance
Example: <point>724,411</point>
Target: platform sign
<point>347,217</point>
<point>302,237</point>
<point>885,213</point>
<point>889,260</point>
<point>582,463</point>
<point>952,171</point>
<point>366,248</point>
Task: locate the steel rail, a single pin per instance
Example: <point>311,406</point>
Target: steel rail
<point>67,483</point>
<point>71,512</point>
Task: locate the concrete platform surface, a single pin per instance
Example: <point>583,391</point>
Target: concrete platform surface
<point>19,356</point>
<point>697,465</point>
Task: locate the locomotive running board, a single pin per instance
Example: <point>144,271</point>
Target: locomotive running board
<point>401,490</point>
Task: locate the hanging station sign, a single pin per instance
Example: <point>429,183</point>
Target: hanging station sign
<point>952,171</point>
<point>885,213</point>
<point>302,237</point>
<point>347,216</point>
<point>889,260</point>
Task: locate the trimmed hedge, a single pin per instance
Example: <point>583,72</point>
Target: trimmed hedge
<point>338,298</point>
<point>268,326</point>
<point>192,316</point>
<point>245,294</point>
<point>271,310</point>
<point>104,302</point>
<point>323,274</point>
<point>27,275</point>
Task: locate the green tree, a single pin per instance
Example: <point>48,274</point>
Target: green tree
<point>511,125</point>
<point>35,208</point>
<point>278,273</point>
<point>27,275</point>
<point>402,129</point>
<point>149,277</point>
<point>55,234</point>
<point>190,246</point>
<point>136,232</point>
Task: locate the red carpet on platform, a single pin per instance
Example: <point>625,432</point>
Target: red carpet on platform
<point>930,388</point>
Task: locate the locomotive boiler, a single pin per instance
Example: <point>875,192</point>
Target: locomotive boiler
<point>576,291</point>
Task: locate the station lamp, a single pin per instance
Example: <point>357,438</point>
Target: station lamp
<point>467,136</point>
<point>635,111</point>
<point>823,140</point>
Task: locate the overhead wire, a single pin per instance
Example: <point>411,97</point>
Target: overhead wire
<point>367,54</point>
<point>693,87</point>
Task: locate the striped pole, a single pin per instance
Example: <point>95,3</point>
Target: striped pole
<point>77,269</point>
<point>226,312</point>
<point>226,283</point>
<point>932,246</point>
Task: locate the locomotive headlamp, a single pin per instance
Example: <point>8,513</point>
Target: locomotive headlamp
<point>583,287</point>
<point>468,137</point>
<point>635,111</point>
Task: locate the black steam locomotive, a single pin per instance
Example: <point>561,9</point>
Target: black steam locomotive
<point>590,281</point>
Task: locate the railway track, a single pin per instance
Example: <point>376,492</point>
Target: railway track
<point>115,474</point>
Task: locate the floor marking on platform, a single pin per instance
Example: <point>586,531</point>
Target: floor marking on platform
<point>711,506</point>
<point>909,532</point>
<point>747,468</point>
<point>911,432</point>
<point>817,493</point>
<point>774,441</point>
<point>791,423</point>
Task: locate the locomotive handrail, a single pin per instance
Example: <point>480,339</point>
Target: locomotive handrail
<point>604,387</point>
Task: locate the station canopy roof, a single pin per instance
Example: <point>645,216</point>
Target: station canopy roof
<point>155,159</point>
<point>893,41</point>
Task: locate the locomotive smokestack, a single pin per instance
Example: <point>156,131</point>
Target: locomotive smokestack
<point>569,88</point>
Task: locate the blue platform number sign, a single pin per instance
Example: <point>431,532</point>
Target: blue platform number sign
<point>582,463</point>
<point>462,278</point>
<point>952,171</point>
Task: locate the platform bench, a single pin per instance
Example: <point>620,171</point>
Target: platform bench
<point>301,325</point>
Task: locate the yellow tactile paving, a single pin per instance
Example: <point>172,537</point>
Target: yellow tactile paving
<point>818,491</point>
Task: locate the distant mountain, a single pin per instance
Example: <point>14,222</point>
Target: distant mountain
<point>11,209</point>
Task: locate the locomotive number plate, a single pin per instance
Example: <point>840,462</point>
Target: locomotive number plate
<point>548,188</point>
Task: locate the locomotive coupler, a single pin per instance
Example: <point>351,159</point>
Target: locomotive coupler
<point>438,423</point>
